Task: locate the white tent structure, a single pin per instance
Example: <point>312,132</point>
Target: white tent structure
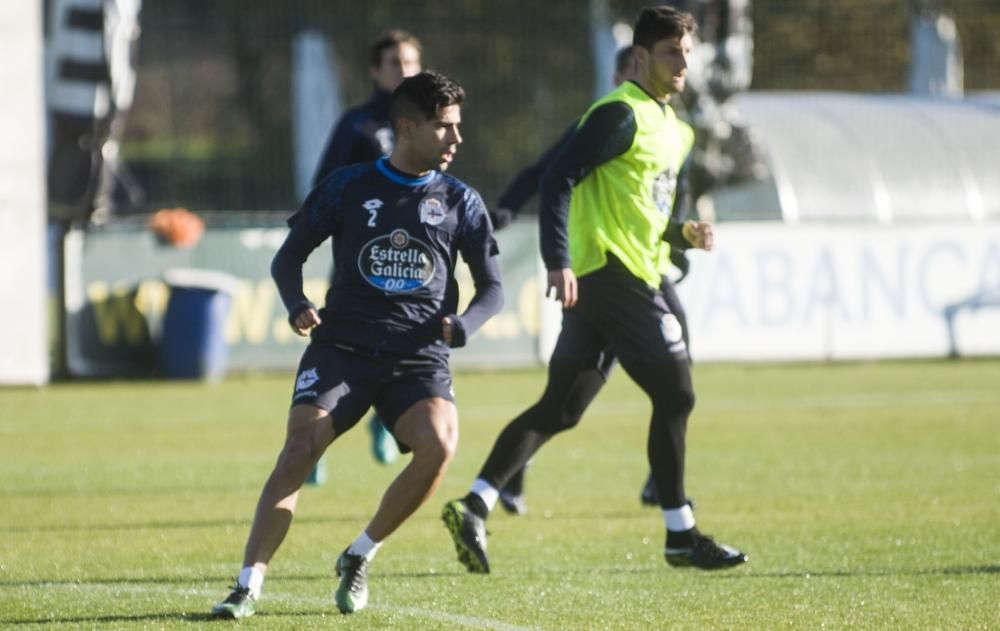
<point>887,159</point>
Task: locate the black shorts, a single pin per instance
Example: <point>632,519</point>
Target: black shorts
<point>619,312</point>
<point>346,381</point>
<point>606,359</point>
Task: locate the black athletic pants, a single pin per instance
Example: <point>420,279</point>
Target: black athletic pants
<point>617,315</point>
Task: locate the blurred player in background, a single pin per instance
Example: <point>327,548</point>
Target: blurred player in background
<point>364,134</point>
<point>398,226</point>
<point>586,387</point>
<point>605,211</point>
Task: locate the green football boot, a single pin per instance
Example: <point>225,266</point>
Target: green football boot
<point>352,593</point>
<point>469,534</point>
<point>239,604</point>
<point>384,447</point>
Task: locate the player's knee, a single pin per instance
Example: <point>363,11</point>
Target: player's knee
<point>677,401</point>
<point>550,417</point>
<point>568,418</point>
<point>685,399</point>
<point>308,433</point>
<point>438,442</point>
<point>449,441</point>
<point>299,453</point>
<point>437,449</point>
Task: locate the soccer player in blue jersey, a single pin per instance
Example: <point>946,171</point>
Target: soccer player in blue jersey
<point>605,212</point>
<point>384,335</point>
<point>364,134</point>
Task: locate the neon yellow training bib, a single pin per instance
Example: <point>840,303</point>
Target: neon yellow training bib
<point>623,206</point>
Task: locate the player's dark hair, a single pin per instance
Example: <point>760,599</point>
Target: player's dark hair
<point>623,58</point>
<point>390,39</point>
<point>419,97</point>
<point>659,23</point>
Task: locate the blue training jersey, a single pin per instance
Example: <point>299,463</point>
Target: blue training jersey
<point>362,134</point>
<point>396,239</point>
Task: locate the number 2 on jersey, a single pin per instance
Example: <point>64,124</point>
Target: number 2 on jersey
<point>372,206</point>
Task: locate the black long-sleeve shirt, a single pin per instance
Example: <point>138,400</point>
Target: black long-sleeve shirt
<point>606,134</point>
<point>525,184</point>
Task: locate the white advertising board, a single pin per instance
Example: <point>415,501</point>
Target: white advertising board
<point>780,292</point>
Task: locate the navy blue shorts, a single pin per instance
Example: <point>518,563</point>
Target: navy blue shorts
<point>346,381</point>
<point>618,312</point>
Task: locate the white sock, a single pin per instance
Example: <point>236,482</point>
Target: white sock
<point>363,546</point>
<point>254,579</point>
<point>489,493</point>
<point>679,519</point>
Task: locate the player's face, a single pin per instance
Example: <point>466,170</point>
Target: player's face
<point>664,68</point>
<point>398,63</point>
<point>435,141</point>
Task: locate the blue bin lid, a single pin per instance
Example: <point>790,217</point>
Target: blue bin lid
<point>201,279</point>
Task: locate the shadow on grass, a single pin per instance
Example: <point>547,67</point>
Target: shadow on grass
<point>73,491</point>
<point>151,580</point>
<point>197,618</point>
<point>933,571</point>
<point>220,581</point>
<point>573,516</point>
<point>746,572</point>
<point>175,525</point>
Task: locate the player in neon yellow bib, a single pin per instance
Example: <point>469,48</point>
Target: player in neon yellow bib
<point>605,218</point>
<point>524,185</point>
<point>623,206</point>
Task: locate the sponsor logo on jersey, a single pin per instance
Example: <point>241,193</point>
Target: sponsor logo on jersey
<point>306,378</point>
<point>432,211</point>
<point>664,187</point>
<point>397,262</point>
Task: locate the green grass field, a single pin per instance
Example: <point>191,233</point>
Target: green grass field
<point>867,495</point>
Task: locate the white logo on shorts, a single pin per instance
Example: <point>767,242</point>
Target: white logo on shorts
<point>671,327</point>
<point>306,378</point>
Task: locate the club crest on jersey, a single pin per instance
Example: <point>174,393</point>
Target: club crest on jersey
<point>306,378</point>
<point>372,204</point>
<point>664,187</point>
<point>432,211</point>
<point>396,262</point>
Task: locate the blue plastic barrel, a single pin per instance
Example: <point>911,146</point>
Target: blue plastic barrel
<point>193,341</point>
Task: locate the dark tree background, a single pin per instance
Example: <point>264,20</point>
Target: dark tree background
<point>210,128</point>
